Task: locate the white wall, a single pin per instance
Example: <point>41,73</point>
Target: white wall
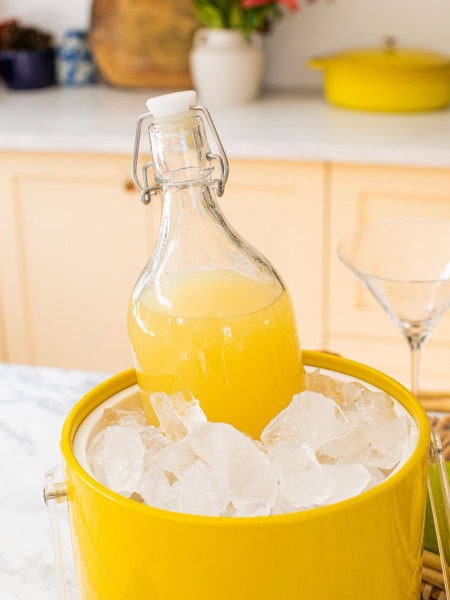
<point>333,25</point>
<point>321,27</point>
<point>55,16</point>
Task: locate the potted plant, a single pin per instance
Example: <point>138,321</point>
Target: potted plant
<point>27,56</point>
<point>227,58</point>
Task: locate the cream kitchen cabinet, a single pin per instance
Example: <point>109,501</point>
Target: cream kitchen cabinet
<point>74,237</point>
<point>279,208</point>
<point>356,326</point>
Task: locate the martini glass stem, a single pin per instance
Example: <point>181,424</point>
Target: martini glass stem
<point>415,344</point>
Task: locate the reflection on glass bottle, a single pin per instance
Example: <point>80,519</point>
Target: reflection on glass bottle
<point>209,314</point>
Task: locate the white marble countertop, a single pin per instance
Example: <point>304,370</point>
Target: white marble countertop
<point>277,126</point>
<point>34,402</point>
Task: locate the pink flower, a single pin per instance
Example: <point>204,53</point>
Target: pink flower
<point>290,4</point>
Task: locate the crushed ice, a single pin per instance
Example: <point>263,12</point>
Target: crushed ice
<point>332,442</point>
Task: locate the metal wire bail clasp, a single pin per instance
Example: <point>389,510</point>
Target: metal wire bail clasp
<point>142,184</point>
<point>221,157</point>
<point>147,192</point>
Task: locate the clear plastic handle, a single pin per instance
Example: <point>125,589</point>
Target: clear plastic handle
<point>439,492</point>
<point>55,493</point>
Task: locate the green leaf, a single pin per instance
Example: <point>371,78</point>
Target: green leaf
<point>229,14</point>
<point>208,14</point>
<point>236,16</point>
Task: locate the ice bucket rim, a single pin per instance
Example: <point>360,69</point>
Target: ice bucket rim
<point>127,379</point>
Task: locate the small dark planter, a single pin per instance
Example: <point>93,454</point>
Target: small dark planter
<point>27,69</point>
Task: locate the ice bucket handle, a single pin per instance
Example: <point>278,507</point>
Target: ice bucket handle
<point>439,493</point>
<point>54,493</point>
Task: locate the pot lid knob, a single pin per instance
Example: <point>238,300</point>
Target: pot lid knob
<point>390,43</point>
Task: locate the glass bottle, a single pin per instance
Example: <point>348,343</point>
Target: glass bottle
<point>209,315</point>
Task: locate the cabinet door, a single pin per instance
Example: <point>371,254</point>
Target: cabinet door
<point>4,357</point>
<point>73,240</point>
<point>278,207</point>
<point>358,327</point>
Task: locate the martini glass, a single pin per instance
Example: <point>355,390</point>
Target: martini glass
<point>406,265</point>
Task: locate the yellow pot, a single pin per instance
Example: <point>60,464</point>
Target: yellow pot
<point>366,547</point>
<point>386,79</point>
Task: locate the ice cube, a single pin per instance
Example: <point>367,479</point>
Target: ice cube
<point>282,506</point>
<point>96,457</point>
<point>249,482</point>
<point>162,471</point>
<point>157,491</point>
<point>348,481</point>
<point>291,457</point>
<point>380,445</point>
<point>200,491</point>
<point>116,457</point>
<point>387,442</point>
<point>134,417</point>
<point>360,402</point>
<point>307,488</point>
<point>177,414</point>
<point>316,381</point>
<point>174,460</point>
<point>310,417</point>
<point>153,439</point>
<point>350,446</point>
<point>376,476</point>
<point>410,443</point>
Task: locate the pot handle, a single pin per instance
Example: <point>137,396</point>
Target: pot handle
<point>315,62</point>
<point>54,493</point>
<point>6,64</point>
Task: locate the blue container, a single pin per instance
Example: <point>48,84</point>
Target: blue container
<point>74,63</point>
<point>27,69</point>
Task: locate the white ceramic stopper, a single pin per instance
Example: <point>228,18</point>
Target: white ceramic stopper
<point>171,104</point>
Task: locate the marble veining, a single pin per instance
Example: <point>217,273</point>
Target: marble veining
<point>34,402</point>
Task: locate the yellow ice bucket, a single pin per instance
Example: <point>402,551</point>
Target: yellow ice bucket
<point>369,546</point>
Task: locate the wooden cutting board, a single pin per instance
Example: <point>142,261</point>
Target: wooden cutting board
<point>143,43</point>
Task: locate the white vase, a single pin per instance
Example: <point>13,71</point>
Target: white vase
<point>226,67</point>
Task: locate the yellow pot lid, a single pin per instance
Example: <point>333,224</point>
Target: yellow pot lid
<point>387,57</point>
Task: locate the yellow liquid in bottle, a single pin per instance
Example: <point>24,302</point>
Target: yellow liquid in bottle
<point>228,339</point>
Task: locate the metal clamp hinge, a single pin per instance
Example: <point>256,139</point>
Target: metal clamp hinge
<point>147,191</point>
<point>221,157</point>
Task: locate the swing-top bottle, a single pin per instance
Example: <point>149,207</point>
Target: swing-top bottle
<point>209,315</point>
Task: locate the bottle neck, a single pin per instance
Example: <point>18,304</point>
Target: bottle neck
<point>193,229</point>
<point>183,171</point>
<point>181,154</point>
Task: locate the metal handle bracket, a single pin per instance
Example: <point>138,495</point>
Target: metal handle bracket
<point>55,493</point>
